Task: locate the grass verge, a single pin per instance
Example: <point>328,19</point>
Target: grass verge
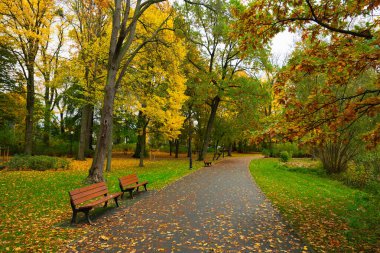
<point>35,210</point>
<point>326,213</point>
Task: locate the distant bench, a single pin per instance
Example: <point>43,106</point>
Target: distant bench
<point>130,183</point>
<point>207,163</point>
<point>86,198</point>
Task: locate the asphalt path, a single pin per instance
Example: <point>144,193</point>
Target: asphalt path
<point>215,209</point>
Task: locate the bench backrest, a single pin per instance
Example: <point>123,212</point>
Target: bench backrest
<point>87,193</point>
<point>128,180</point>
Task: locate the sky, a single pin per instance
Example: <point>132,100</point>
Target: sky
<point>283,45</point>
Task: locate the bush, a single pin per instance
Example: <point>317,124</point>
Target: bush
<point>122,147</point>
<point>370,160</point>
<point>292,148</point>
<point>266,152</point>
<point>284,156</point>
<point>357,175</point>
<point>23,162</point>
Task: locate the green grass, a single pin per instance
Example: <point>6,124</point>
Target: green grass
<point>326,213</point>
<point>35,210</point>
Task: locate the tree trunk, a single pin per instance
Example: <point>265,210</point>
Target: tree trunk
<point>170,148</point>
<point>215,150</point>
<point>176,148</point>
<point>109,152</point>
<point>91,129</point>
<point>140,137</point>
<point>85,128</point>
<point>30,109</point>
<point>96,170</point>
<point>47,117</point>
<point>210,124</point>
<point>143,145</point>
<point>229,150</point>
<point>61,123</point>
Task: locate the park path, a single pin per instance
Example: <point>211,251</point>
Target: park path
<point>215,209</point>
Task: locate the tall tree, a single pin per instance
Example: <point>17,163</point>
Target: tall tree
<point>24,25</point>
<point>90,22</point>
<point>123,49</point>
<point>48,64</point>
<point>158,83</point>
<point>207,24</point>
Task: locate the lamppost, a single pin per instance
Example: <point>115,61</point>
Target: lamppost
<point>190,151</point>
<point>71,142</point>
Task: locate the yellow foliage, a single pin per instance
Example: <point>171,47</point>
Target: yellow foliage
<point>157,82</point>
<point>23,23</point>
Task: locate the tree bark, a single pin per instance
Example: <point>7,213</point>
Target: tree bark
<point>176,148</point>
<point>61,123</point>
<point>96,170</point>
<point>229,150</point>
<point>30,109</point>
<point>210,124</point>
<point>140,137</point>
<point>109,152</point>
<point>85,128</point>
<point>170,148</point>
<point>215,150</point>
<point>90,129</point>
<point>143,145</point>
<point>47,117</point>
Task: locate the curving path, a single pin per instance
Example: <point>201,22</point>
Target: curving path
<point>215,209</point>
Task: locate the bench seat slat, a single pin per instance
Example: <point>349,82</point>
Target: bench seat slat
<point>128,182</point>
<point>87,188</point>
<point>99,201</point>
<point>89,192</point>
<point>135,186</point>
<point>129,178</point>
<point>90,196</point>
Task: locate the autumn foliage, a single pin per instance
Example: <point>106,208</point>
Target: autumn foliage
<point>331,81</point>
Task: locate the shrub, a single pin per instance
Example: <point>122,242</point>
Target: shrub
<point>292,148</point>
<point>335,155</point>
<point>122,147</point>
<point>357,175</point>
<point>266,152</point>
<point>23,162</point>
<point>370,160</point>
<point>284,156</point>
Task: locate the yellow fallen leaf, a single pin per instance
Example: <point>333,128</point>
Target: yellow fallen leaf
<point>104,238</point>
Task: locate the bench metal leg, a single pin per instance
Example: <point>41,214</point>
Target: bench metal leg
<point>131,193</point>
<point>117,204</point>
<point>74,218</point>
<point>145,187</point>
<point>88,217</point>
<point>105,204</point>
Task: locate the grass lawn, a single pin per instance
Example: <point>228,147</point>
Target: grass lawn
<point>35,210</point>
<point>326,213</point>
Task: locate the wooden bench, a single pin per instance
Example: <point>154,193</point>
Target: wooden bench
<point>130,183</point>
<point>86,198</point>
<point>207,163</point>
